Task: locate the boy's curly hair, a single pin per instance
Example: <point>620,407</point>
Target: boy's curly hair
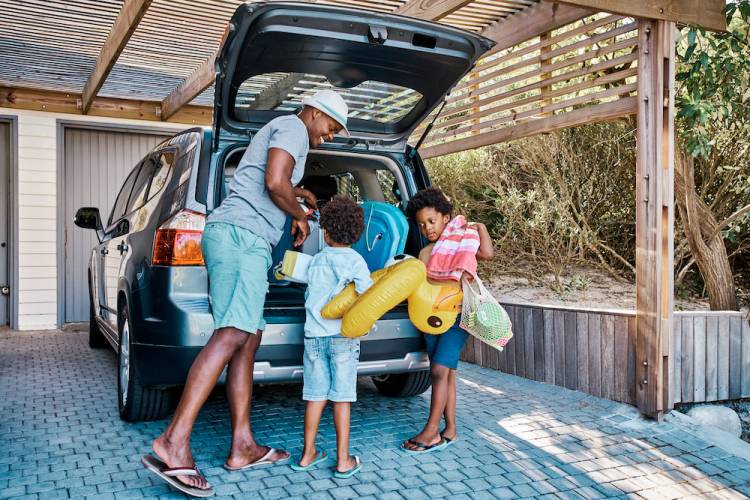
<point>343,220</point>
<point>430,197</point>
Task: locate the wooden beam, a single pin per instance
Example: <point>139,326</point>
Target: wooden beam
<point>432,10</point>
<point>706,13</point>
<point>537,19</point>
<point>127,20</point>
<point>582,116</point>
<point>62,102</point>
<point>654,256</point>
<point>198,81</point>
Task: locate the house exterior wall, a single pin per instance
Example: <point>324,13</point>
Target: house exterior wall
<point>36,200</point>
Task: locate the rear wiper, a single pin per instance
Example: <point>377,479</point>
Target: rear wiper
<point>427,130</point>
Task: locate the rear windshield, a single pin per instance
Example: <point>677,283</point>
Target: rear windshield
<point>370,100</point>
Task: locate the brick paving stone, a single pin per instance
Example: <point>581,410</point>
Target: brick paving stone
<point>61,437</point>
<point>523,490</point>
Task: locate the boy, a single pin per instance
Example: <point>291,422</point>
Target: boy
<point>330,360</point>
<point>432,211</point>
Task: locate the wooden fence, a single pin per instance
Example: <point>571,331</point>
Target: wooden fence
<point>593,351</point>
<point>711,356</point>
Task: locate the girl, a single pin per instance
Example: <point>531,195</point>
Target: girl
<point>432,212</point>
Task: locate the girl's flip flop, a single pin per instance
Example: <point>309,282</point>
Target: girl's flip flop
<point>322,457</point>
<point>425,448</point>
<point>170,475</point>
<point>448,441</point>
<point>347,474</point>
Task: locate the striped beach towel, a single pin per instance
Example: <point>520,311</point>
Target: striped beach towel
<point>455,252</point>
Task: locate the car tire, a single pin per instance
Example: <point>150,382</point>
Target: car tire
<point>401,385</point>
<point>136,402</point>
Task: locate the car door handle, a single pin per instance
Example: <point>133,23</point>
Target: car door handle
<point>122,247</point>
<point>104,251</point>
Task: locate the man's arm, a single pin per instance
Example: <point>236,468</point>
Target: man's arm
<point>278,181</point>
<point>310,199</point>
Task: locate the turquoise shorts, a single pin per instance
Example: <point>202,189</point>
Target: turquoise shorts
<point>237,262</point>
<point>329,369</point>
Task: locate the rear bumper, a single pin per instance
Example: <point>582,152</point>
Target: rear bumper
<point>171,322</point>
<point>168,366</point>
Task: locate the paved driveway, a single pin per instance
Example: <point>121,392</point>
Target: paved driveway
<point>60,437</point>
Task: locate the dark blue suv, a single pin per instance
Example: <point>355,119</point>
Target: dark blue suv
<point>147,282</point>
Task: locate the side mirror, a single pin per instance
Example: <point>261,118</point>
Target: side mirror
<point>88,218</point>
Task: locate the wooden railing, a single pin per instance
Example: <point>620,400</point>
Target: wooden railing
<point>593,351</point>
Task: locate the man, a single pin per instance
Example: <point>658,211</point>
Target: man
<point>237,242</point>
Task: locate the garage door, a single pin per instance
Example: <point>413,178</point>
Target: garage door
<point>4,222</point>
<point>95,165</point>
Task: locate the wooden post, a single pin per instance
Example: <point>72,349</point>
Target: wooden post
<point>654,216</point>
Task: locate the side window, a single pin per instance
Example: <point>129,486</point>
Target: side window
<point>140,186</point>
<point>348,186</point>
<point>118,209</point>
<point>162,167</point>
<point>389,186</point>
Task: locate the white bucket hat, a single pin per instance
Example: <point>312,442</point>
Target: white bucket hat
<point>331,103</point>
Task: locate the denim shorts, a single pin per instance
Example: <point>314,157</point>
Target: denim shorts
<point>330,369</point>
<point>236,285</point>
<point>444,349</point>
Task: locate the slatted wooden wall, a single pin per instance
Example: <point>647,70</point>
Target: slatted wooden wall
<point>589,351</point>
<point>711,356</point>
<point>594,352</point>
<point>578,73</point>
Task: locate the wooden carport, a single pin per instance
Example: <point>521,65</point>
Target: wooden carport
<point>555,65</point>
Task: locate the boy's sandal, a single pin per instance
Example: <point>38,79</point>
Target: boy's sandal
<point>347,474</point>
<point>171,475</point>
<point>424,448</point>
<point>322,457</point>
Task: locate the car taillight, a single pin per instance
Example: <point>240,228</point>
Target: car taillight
<point>178,240</point>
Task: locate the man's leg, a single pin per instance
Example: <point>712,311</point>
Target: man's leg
<point>342,423</point>
<point>313,412</point>
<point>239,395</point>
<point>173,446</point>
<point>430,434</point>
<point>450,431</point>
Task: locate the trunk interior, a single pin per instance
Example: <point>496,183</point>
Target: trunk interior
<point>372,180</point>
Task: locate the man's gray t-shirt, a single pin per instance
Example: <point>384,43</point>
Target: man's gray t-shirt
<point>248,204</point>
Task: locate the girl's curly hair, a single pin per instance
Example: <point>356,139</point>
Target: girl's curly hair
<point>430,197</point>
<point>343,220</point>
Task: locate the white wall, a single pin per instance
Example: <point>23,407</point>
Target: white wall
<point>37,210</point>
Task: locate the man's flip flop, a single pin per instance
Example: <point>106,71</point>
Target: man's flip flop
<point>322,457</point>
<point>425,448</point>
<point>264,460</point>
<point>345,475</point>
<point>170,476</point>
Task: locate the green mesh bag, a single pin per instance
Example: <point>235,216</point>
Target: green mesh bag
<point>483,317</point>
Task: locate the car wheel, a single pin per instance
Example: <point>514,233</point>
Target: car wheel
<point>136,402</point>
<point>403,384</point>
<point>96,337</point>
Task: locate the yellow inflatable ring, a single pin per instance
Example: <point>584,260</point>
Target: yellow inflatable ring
<point>394,284</point>
<point>434,308</point>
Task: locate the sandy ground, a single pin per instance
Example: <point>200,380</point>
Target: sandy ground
<point>585,288</point>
